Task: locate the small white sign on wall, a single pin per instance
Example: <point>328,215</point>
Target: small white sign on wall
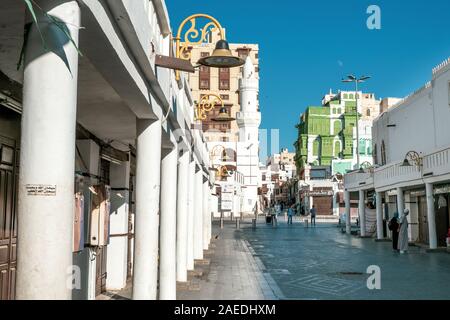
<point>227,197</point>
<point>45,190</point>
<point>226,206</point>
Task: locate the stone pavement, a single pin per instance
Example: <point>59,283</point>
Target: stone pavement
<point>233,272</point>
<point>230,270</point>
<point>323,263</point>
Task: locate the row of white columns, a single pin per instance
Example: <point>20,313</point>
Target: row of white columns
<point>171,225</point>
<point>184,230</point>
<point>431,215</point>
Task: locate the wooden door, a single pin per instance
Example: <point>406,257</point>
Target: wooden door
<point>100,283</point>
<point>323,205</point>
<point>8,218</point>
<point>423,220</point>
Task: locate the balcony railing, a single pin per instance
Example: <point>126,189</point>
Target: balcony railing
<point>433,165</point>
<point>437,163</point>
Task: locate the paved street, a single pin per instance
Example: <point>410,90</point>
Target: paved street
<point>323,263</point>
<point>233,273</point>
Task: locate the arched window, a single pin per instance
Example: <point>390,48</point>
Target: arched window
<point>337,127</point>
<point>316,147</point>
<point>351,96</point>
<point>368,112</point>
<point>337,148</point>
<point>375,154</point>
<point>383,153</point>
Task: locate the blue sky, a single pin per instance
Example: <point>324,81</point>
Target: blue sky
<point>306,47</point>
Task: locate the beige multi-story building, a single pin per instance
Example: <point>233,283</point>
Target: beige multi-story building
<point>224,82</point>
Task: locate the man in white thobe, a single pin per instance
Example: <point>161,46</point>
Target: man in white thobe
<point>403,232</point>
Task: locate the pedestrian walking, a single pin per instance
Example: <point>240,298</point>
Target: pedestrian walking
<point>394,227</point>
<point>313,215</point>
<point>290,213</point>
<point>403,232</point>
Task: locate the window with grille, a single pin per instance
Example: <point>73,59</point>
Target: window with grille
<point>204,75</point>
<point>224,79</point>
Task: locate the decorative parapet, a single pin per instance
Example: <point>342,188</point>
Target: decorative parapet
<point>412,95</point>
<point>439,69</point>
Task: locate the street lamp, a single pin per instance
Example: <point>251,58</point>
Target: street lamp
<point>364,166</point>
<point>412,158</point>
<point>352,78</point>
<point>221,56</point>
<point>207,103</point>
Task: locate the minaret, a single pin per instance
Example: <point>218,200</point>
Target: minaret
<point>248,121</point>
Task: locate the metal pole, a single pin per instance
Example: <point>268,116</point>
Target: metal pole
<point>357,125</point>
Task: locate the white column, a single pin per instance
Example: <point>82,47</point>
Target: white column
<point>206,215</point>
<point>348,222</point>
<point>400,201</point>
<point>198,216</point>
<point>212,209</point>
<point>148,174</point>
<point>431,214</point>
<point>168,238</point>
<point>362,213</point>
<point>182,216</point>
<point>190,224</point>
<point>379,208</point>
<point>47,159</point>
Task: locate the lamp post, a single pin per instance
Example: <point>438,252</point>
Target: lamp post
<point>357,81</point>
<point>412,158</point>
<point>221,57</point>
<point>207,103</point>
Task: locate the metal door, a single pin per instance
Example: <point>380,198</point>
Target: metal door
<point>8,218</point>
<point>423,220</point>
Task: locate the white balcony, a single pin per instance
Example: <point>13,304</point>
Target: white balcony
<point>436,168</point>
<point>358,180</point>
<point>396,175</point>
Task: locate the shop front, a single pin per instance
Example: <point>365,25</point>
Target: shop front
<point>322,199</point>
<point>441,204</point>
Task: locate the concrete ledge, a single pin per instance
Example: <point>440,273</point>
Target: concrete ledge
<point>194,273</point>
<point>383,240</point>
<point>193,285</point>
<point>438,250</point>
<point>203,262</point>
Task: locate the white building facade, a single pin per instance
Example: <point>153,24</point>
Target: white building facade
<point>412,168</point>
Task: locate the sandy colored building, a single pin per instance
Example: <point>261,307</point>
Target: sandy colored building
<point>224,82</point>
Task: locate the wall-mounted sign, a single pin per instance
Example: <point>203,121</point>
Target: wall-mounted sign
<point>228,188</point>
<point>45,190</point>
<point>417,193</point>
<point>226,206</point>
<point>318,193</point>
<point>227,197</point>
<point>442,189</point>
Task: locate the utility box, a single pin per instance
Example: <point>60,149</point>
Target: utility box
<point>100,206</point>
<point>78,223</point>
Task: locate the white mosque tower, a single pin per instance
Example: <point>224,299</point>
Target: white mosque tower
<point>248,121</point>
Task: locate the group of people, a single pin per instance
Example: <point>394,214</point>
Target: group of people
<point>291,211</point>
<point>399,228</point>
